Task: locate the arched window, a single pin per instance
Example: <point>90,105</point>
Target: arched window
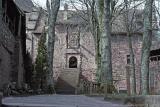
<point>72,62</point>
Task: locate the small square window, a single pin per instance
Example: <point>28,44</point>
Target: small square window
<point>128,59</point>
<point>72,62</point>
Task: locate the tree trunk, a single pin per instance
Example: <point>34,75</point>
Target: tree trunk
<point>106,48</point>
<point>53,11</point>
<point>98,54</point>
<point>129,30</point>
<point>133,77</point>
<point>147,40</point>
<point>100,32</point>
<point>95,30</point>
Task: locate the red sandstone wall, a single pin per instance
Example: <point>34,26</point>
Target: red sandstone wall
<point>120,50</point>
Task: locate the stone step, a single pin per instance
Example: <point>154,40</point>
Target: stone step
<point>68,81</point>
<point>71,76</point>
<point>62,87</point>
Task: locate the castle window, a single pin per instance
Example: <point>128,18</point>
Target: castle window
<point>128,59</point>
<point>72,62</point>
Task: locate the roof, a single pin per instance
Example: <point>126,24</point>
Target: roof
<point>25,5</point>
<point>35,20</point>
<point>71,17</point>
<point>118,26</point>
<point>155,40</point>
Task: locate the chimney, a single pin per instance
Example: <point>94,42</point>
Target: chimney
<point>65,14</point>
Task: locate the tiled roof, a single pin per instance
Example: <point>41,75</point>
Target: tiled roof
<point>35,20</point>
<point>72,17</point>
<point>118,26</point>
<point>25,5</point>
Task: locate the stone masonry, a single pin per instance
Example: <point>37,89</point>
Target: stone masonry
<point>12,45</point>
<point>73,39</point>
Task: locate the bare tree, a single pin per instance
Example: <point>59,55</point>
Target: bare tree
<point>52,11</point>
<point>147,39</point>
<point>89,15</point>
<point>95,18</point>
<point>106,47</point>
<point>129,29</point>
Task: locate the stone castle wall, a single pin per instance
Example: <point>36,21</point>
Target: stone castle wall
<point>11,54</point>
<point>86,52</point>
<point>7,42</point>
<point>120,50</point>
<point>86,55</point>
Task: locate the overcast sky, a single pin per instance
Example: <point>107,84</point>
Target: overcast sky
<point>40,2</point>
<point>43,3</point>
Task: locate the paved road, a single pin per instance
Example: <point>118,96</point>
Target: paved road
<point>57,101</point>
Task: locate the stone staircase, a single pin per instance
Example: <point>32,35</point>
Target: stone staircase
<point>68,81</point>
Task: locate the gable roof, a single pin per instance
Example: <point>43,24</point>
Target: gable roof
<point>118,25</point>
<point>25,5</point>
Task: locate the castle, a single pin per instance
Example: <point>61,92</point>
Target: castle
<point>74,56</point>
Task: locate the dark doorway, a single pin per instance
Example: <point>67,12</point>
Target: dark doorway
<point>72,62</point>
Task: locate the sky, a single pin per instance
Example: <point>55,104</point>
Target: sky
<point>43,3</point>
<point>40,2</point>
